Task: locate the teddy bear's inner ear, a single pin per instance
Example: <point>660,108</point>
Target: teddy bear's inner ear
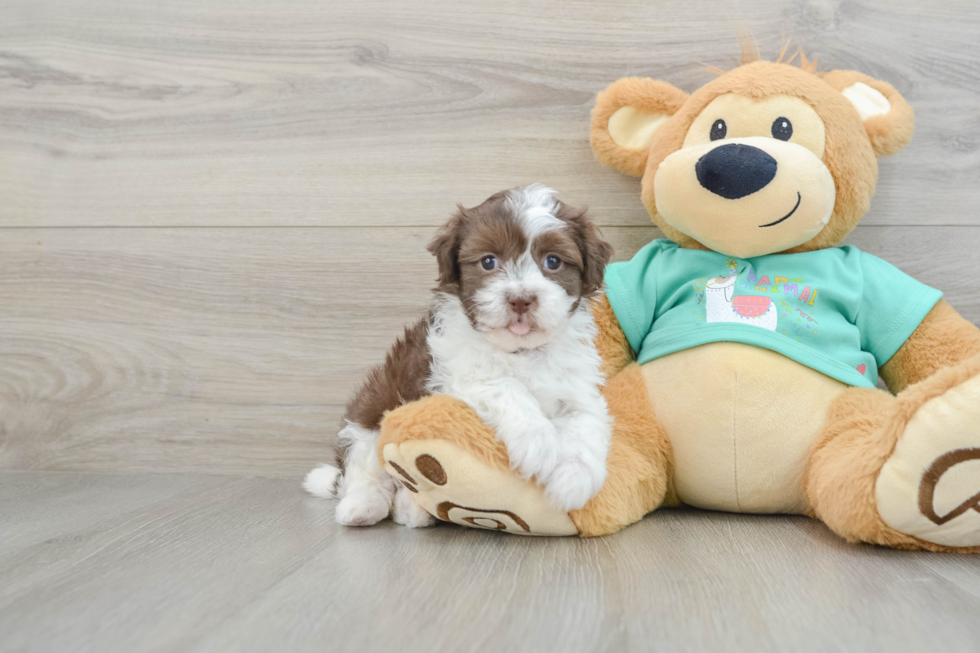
<point>626,117</point>
<point>868,102</point>
<point>633,129</point>
<point>888,118</point>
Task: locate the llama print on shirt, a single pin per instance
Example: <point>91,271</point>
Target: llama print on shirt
<point>722,306</point>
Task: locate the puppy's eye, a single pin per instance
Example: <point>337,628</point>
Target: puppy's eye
<point>552,262</point>
<point>719,129</point>
<point>488,262</point>
<point>782,129</point>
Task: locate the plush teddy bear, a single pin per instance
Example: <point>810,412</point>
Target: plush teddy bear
<point>742,354</point>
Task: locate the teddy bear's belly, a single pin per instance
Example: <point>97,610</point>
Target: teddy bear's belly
<point>741,421</point>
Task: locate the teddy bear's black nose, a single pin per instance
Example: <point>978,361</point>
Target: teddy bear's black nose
<point>735,170</point>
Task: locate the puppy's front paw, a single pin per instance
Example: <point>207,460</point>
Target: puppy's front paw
<point>573,483</point>
<point>533,452</point>
<point>406,512</point>
<point>362,507</point>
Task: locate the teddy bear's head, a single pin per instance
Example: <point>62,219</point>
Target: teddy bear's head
<point>769,157</point>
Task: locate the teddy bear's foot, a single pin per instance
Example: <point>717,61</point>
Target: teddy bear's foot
<point>929,487</point>
<point>453,485</point>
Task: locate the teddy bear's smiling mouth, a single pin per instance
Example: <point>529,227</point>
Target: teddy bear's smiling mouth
<point>799,198</point>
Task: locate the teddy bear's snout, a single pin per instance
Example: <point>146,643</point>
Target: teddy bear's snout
<point>735,170</point>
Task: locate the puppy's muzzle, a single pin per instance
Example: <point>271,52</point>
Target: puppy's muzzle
<point>521,304</point>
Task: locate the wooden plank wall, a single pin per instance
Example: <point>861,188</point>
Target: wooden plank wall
<point>213,215</point>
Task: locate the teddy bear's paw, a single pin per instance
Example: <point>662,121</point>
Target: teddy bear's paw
<point>454,485</point>
<point>930,486</point>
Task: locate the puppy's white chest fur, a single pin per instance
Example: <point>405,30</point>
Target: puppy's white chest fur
<point>560,375</point>
<point>544,404</point>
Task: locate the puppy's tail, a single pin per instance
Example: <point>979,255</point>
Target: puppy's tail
<point>322,481</point>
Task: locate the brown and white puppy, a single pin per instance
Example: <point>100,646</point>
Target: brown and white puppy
<point>510,332</point>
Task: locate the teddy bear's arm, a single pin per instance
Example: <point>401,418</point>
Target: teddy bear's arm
<point>610,340</point>
<point>942,340</point>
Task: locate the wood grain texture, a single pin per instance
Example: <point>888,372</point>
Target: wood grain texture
<point>115,112</point>
<point>233,350</point>
<point>214,216</point>
<point>194,564</point>
<point>212,222</point>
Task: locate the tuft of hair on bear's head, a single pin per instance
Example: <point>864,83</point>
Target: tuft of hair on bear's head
<point>751,53</point>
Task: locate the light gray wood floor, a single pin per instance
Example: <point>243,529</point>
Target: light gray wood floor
<point>186,563</point>
<point>212,222</point>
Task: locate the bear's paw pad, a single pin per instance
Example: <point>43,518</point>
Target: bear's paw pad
<point>930,486</point>
<point>455,486</point>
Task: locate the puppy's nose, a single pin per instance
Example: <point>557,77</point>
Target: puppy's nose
<point>521,304</point>
<point>735,170</point>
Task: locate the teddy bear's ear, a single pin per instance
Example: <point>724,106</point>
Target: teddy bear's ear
<point>626,116</point>
<point>888,118</point>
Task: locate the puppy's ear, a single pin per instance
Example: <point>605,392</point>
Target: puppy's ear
<point>888,119</point>
<point>599,253</point>
<point>625,118</point>
<point>445,247</point>
<point>595,251</point>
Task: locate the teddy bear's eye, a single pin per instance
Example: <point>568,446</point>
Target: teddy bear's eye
<point>782,129</point>
<point>719,129</point>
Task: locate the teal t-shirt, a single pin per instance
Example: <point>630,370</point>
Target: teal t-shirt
<point>839,311</point>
